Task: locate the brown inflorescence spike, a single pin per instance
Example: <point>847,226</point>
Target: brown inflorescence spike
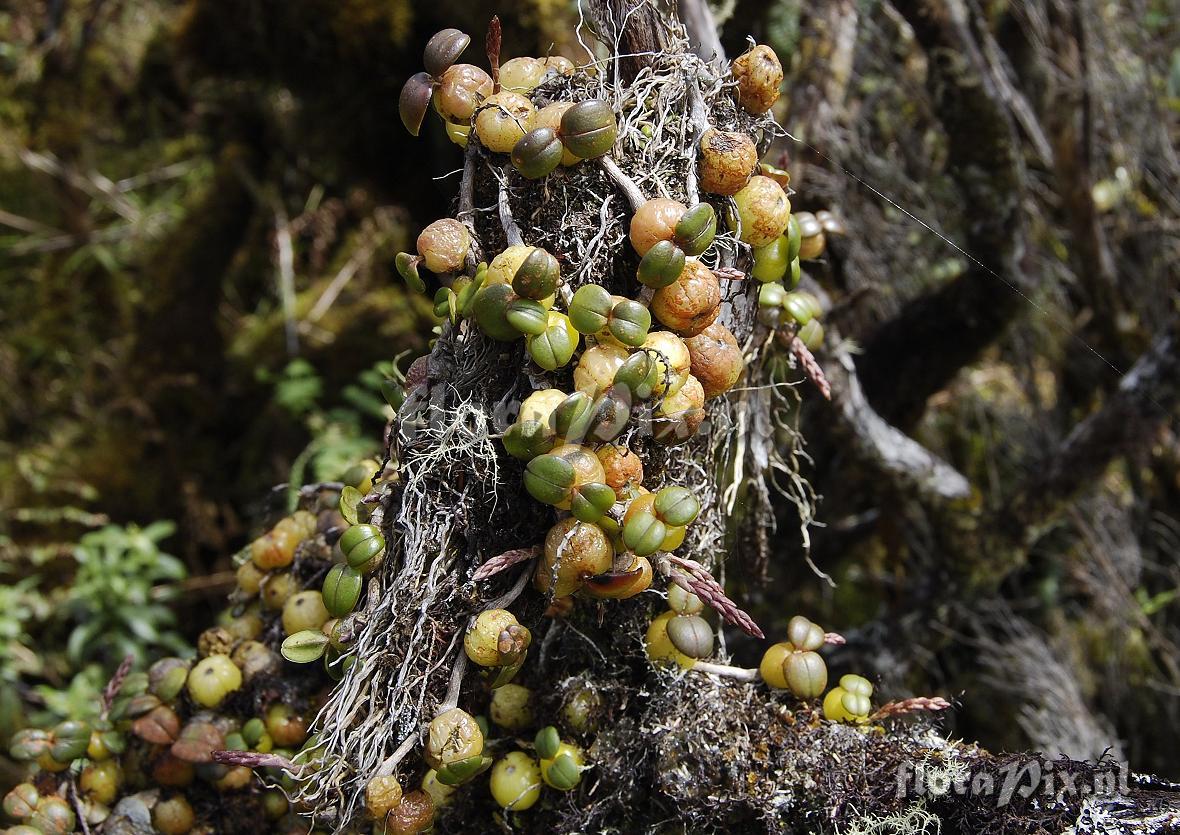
<point>116,682</point>
<point>253,759</point>
<point>504,561</point>
<point>914,705</point>
<point>697,579</point>
<point>492,45</point>
<point>810,367</point>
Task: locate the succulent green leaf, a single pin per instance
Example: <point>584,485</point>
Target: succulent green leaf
<point>812,334</point>
<point>676,506</point>
<point>611,413</point>
<point>305,646</point>
<point>360,544</point>
<point>571,419</point>
<point>643,533</point>
<point>527,439</point>
<point>70,739</point>
<point>415,101</point>
<point>537,276</point>
<point>555,347</point>
<point>856,703</point>
<point>661,266</point>
<point>798,308</point>
<point>629,323</point>
<point>794,238</point>
<point>548,479</point>
<point>590,308</point>
<point>28,744</point>
<point>490,307</point>
<point>639,374</point>
<point>547,742</point>
<point>527,316</point>
<point>501,676</point>
<point>696,229</point>
<point>771,295</point>
<point>466,288</point>
<point>443,49</point>
<point>692,635</point>
<point>591,501</point>
<point>407,267</point>
<point>771,261</point>
<point>589,129</point>
<point>253,730</point>
<point>393,392</point>
<point>537,153</point>
<point>350,499</point>
<point>342,590</point>
<point>445,304</point>
<point>563,773</point>
<point>459,772</point>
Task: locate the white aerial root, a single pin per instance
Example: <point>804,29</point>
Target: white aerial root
<point>384,694</point>
<point>725,671</point>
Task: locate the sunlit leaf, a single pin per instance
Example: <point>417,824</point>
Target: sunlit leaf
<point>350,497</point>
<point>305,647</point>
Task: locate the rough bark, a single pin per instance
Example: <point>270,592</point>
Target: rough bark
<point>638,28</point>
<point>702,29</point>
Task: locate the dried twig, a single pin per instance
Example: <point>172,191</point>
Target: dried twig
<point>465,213</point>
<point>309,490</point>
<point>76,802</point>
<point>699,118</point>
<point>114,232</point>
<point>216,584</point>
<point>158,175</point>
<point>354,264</point>
<point>702,29</point>
<point>286,269</point>
<point>91,183</point>
<point>898,456</point>
<point>456,685</point>
<point>25,224</point>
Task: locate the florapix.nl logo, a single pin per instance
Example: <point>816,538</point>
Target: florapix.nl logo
<point>1016,778</point>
